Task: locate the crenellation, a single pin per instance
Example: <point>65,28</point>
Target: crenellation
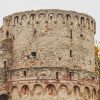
<point>64,16</point>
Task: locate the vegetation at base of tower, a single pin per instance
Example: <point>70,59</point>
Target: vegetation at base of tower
<point>97,61</point>
<point>97,55</point>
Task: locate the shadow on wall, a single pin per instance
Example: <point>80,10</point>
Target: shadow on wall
<point>3,97</point>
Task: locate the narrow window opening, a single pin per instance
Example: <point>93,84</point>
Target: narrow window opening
<point>76,90</point>
<point>16,20</point>
<point>94,26</point>
<point>35,31</point>
<point>59,58</point>
<point>68,17</point>
<point>29,22</point>
<point>81,35</point>
<point>37,22</point>
<point>70,53</point>
<point>70,74</point>
<point>46,21</point>
<point>63,22</point>
<point>7,34</point>
<point>4,63</point>
<point>32,16</point>
<point>89,61</point>
<point>92,23</point>
<point>93,78</point>
<point>50,17</point>
<point>13,37</point>
<point>88,23</point>
<point>71,34</point>
<point>33,54</point>
<point>57,75</point>
<point>24,73</point>
<point>5,68</point>
<point>55,22</point>
<point>82,20</point>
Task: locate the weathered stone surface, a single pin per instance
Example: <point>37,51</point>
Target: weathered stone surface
<point>48,55</point>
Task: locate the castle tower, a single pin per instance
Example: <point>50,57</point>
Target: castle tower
<point>50,55</point>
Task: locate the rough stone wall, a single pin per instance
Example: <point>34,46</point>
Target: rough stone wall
<point>52,34</point>
<point>49,55</point>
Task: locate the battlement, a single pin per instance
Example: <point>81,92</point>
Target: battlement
<point>51,15</point>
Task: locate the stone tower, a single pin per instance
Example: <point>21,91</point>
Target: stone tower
<point>48,55</point>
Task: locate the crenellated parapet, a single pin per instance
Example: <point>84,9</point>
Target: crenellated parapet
<point>54,16</point>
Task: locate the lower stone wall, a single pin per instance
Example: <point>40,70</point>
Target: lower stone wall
<point>51,73</point>
<point>52,84</point>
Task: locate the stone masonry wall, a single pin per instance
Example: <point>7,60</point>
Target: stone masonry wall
<point>48,55</point>
<point>54,35</point>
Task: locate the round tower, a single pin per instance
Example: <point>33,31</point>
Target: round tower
<point>53,55</point>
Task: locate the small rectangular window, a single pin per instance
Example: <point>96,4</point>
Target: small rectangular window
<point>71,34</point>
<point>70,53</point>
<point>4,63</point>
<point>33,54</point>
<point>56,75</point>
<point>89,62</point>
<point>24,73</point>
<point>70,75</point>
<point>35,31</point>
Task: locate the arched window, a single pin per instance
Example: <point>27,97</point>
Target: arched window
<point>38,89</point>
<point>92,26</point>
<point>32,16</point>
<point>51,16</point>
<point>87,92</point>
<point>94,93</point>
<point>60,16</point>
<point>88,23</point>
<point>25,89</point>
<point>63,89</point>
<point>41,15</point>
<point>14,93</point>
<point>76,18</point>
<point>82,20</point>
<point>62,92</point>
<point>68,17</point>
<point>76,90</point>
<point>24,17</point>
<point>50,89</point>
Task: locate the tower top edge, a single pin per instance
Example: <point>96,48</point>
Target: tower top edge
<point>50,11</point>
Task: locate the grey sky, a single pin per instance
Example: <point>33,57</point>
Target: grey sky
<point>90,7</point>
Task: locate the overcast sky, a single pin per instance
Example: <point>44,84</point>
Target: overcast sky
<point>90,7</point>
